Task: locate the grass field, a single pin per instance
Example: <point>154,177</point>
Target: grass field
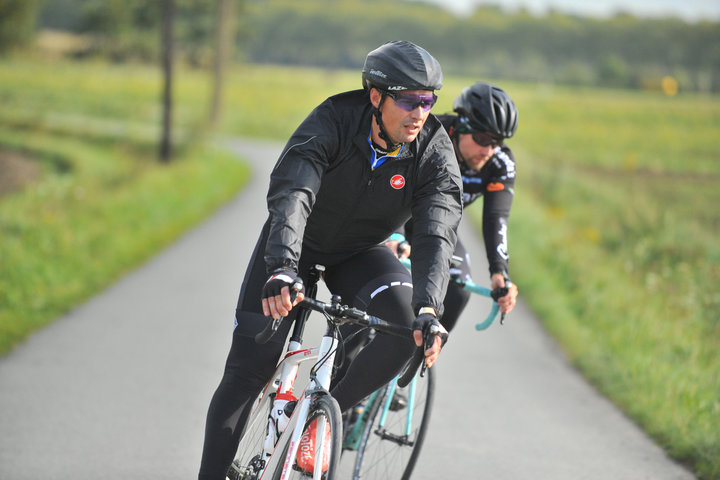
<point>89,200</point>
<point>615,243</point>
<point>613,233</point>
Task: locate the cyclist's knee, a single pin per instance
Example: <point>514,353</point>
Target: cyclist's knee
<point>250,365</point>
<point>392,303</point>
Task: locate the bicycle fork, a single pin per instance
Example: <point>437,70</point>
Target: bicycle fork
<point>319,384</point>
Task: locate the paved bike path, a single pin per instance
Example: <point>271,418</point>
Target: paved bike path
<point>119,387</point>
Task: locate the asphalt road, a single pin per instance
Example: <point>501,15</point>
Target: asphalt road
<point>118,388</point>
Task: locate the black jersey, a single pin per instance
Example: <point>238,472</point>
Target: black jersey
<point>326,195</point>
<point>496,182</point>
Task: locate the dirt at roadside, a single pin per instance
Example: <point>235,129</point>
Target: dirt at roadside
<point>16,171</point>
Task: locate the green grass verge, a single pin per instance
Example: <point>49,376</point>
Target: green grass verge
<point>107,209</point>
<point>614,242</point>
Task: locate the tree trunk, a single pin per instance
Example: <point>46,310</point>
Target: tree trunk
<point>224,28</point>
<point>168,18</point>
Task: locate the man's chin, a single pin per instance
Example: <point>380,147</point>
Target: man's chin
<point>476,164</point>
<point>405,139</point>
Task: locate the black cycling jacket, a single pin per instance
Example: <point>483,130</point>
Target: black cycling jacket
<point>496,182</point>
<point>324,196</point>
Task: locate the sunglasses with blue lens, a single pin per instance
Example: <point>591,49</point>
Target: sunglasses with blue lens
<point>411,101</point>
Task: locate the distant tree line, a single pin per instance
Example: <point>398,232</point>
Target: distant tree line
<point>129,29</point>
<point>622,51</point>
<point>17,22</point>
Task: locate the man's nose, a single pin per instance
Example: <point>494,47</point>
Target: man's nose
<point>417,112</point>
<point>487,150</point>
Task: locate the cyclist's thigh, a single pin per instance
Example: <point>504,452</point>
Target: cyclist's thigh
<point>255,277</point>
<point>249,319</point>
<point>370,275</point>
<point>248,362</point>
<point>374,281</point>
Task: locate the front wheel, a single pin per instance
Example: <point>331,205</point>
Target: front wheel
<point>326,417</point>
<point>396,426</point>
<point>250,460</point>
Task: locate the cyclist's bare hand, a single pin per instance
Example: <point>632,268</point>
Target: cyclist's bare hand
<point>507,302</point>
<point>277,297</point>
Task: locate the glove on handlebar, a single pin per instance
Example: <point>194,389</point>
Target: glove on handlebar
<point>424,321</point>
<point>283,277</point>
<point>498,293</point>
<point>402,247</point>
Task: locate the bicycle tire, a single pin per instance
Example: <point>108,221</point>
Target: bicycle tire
<point>248,463</point>
<point>389,453</point>
<point>323,405</point>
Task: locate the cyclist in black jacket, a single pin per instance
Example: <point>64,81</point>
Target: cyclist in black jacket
<point>486,116</point>
<point>356,169</point>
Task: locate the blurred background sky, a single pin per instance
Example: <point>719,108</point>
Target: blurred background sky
<point>691,10</point>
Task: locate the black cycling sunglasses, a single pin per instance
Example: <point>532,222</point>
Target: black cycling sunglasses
<point>483,139</point>
<point>486,140</point>
<point>411,101</point>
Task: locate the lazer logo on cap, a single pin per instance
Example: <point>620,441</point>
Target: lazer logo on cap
<point>397,182</point>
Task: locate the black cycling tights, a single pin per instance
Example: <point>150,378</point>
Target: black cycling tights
<point>232,401</point>
<point>372,280</point>
<point>377,363</point>
<point>456,298</point>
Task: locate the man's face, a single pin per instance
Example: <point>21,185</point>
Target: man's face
<point>475,153</point>
<point>401,124</point>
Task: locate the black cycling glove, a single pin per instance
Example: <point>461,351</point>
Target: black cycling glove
<point>283,277</point>
<point>500,292</point>
<point>424,321</point>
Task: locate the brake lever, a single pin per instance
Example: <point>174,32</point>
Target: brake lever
<point>496,295</point>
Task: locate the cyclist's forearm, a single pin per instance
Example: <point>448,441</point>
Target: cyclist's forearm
<point>288,216</point>
<point>431,254</point>
<point>496,211</point>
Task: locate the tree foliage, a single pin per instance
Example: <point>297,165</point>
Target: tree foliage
<point>17,22</point>
<point>129,29</point>
<point>622,51</point>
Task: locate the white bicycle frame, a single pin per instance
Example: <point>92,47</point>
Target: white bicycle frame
<point>283,380</point>
<point>285,376</point>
